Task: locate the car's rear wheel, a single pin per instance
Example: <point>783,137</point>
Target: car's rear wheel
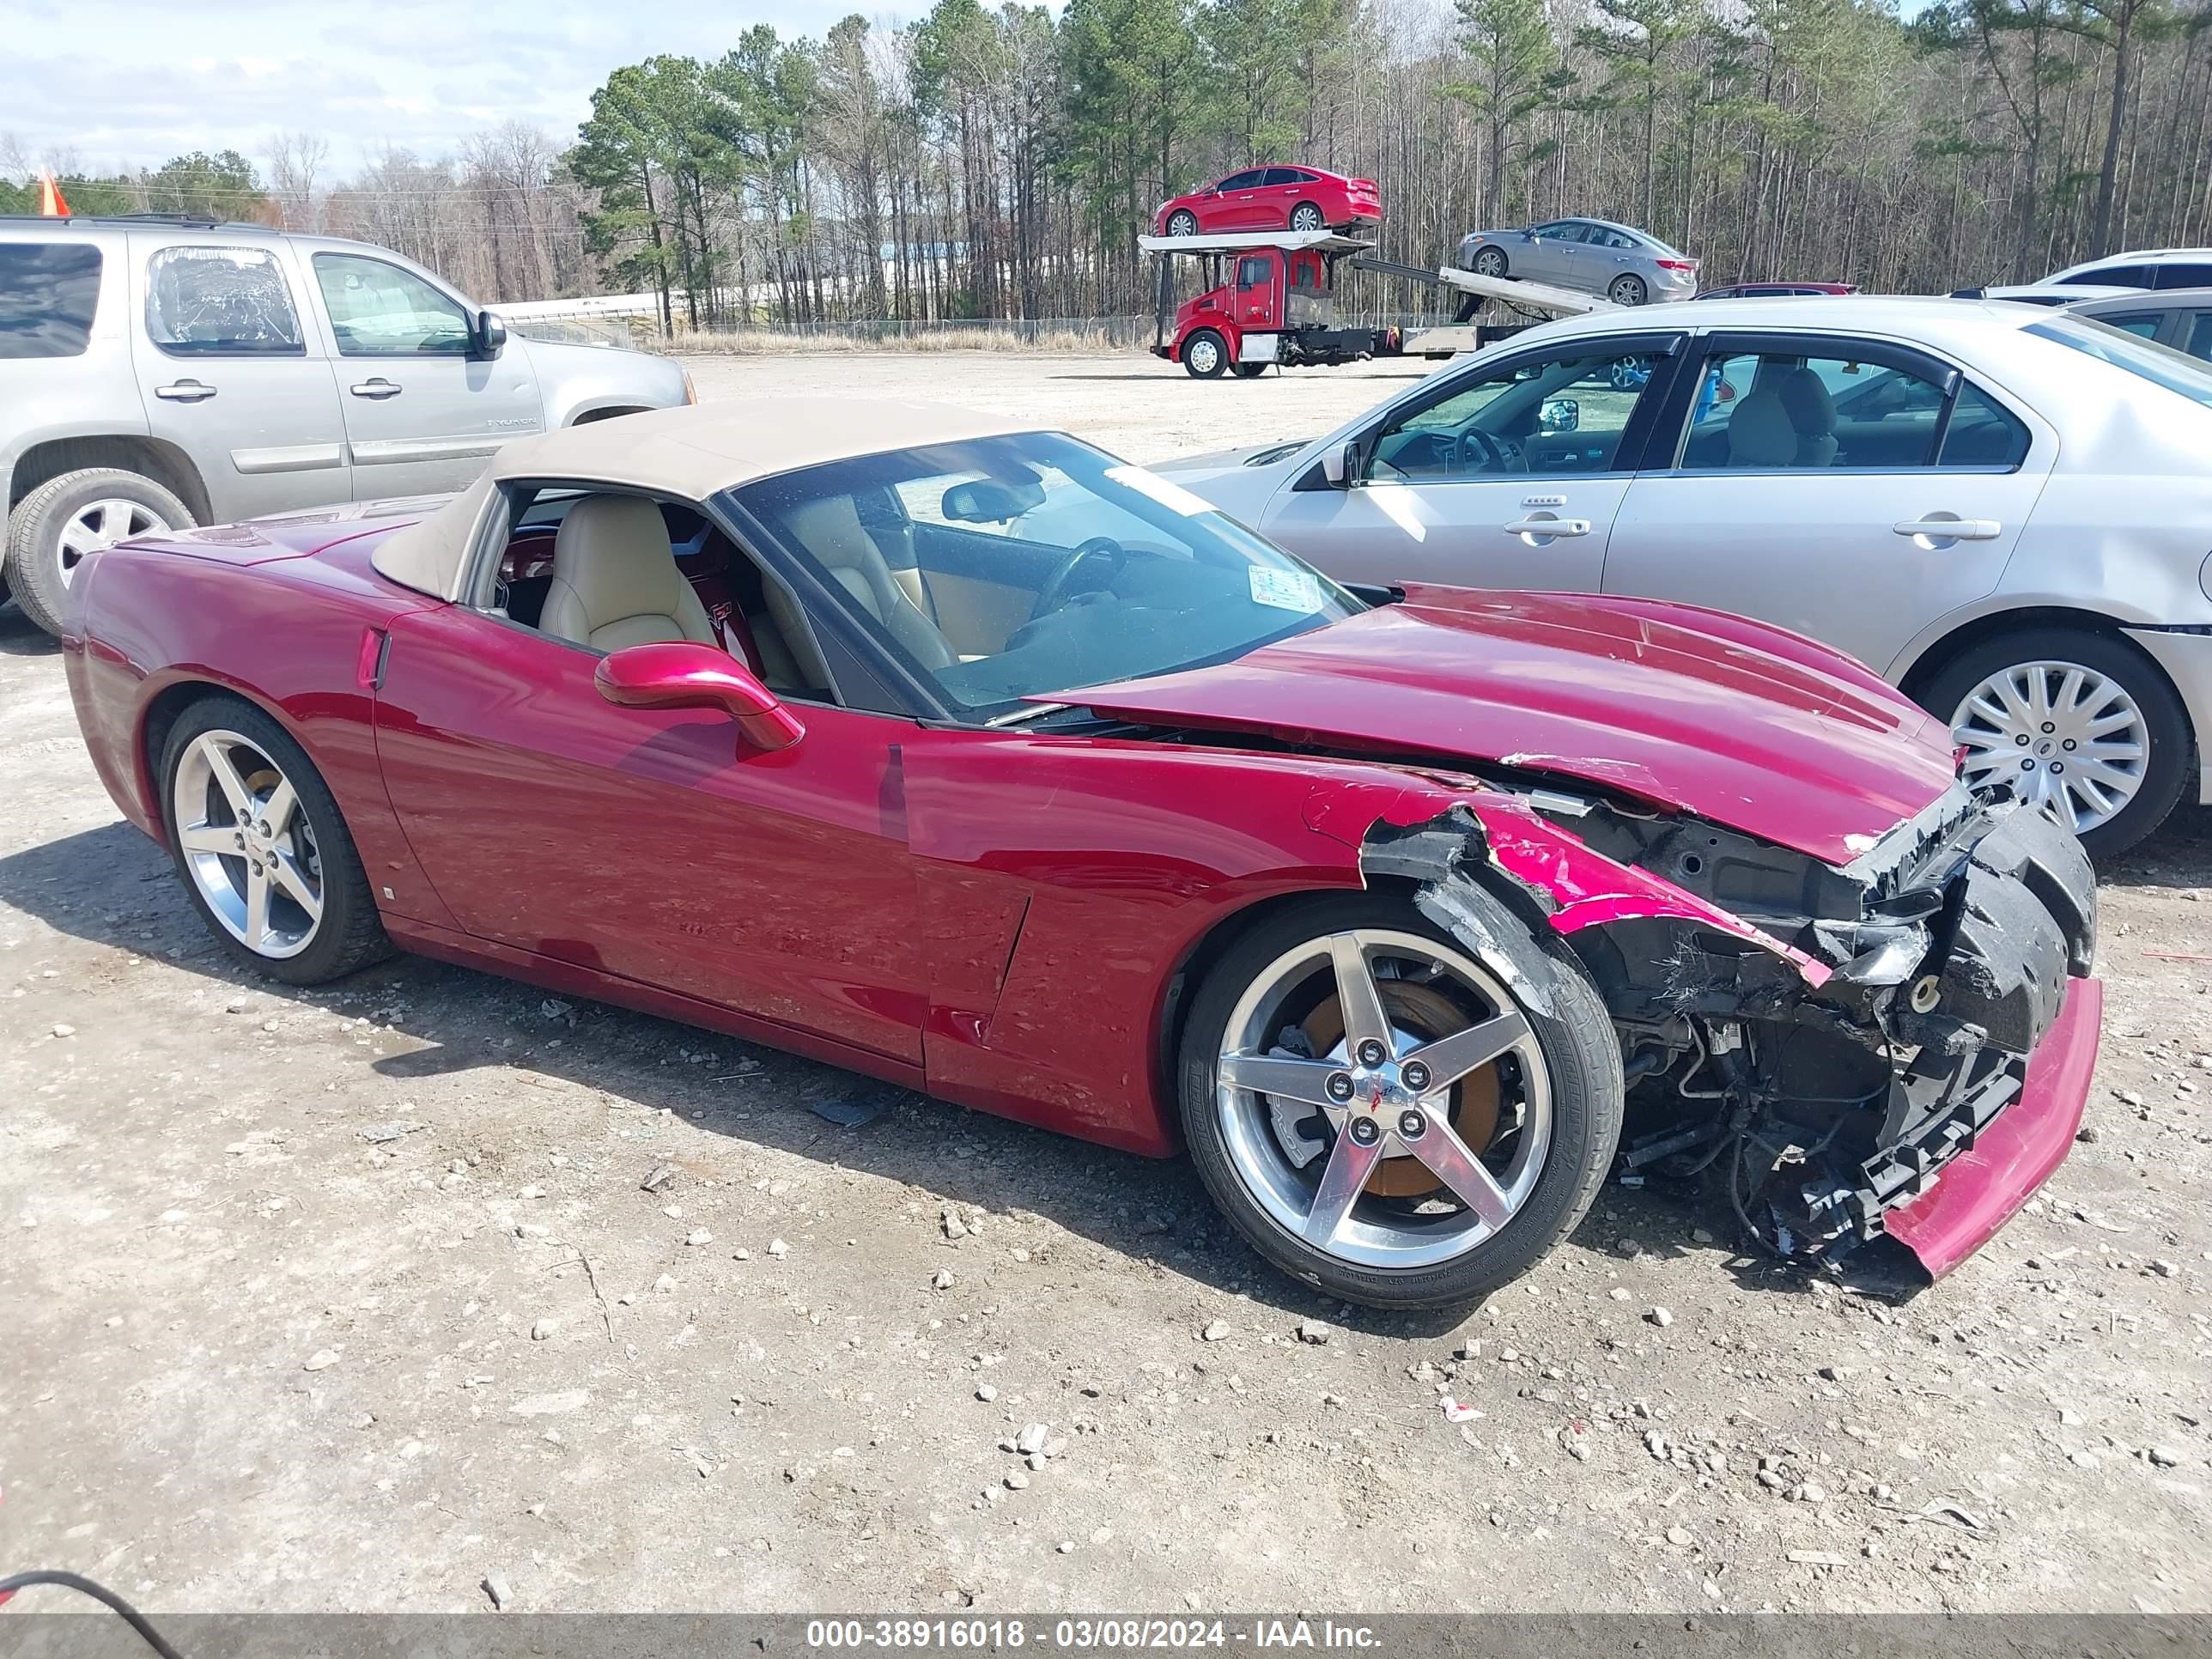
<point>1307,216</point>
<point>1183,222</point>
<point>1628,290</point>
<point>1206,354</point>
<point>1390,1115</point>
<point>1250,371</point>
<point>51,530</point>
<point>2083,725</point>
<point>258,839</point>
<point>1490,262</point>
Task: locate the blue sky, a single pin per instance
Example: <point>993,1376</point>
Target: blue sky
<point>124,81</point>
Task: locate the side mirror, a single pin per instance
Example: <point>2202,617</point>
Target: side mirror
<point>684,675</point>
<point>1529,234</point>
<point>1561,414</point>
<point>1336,463</point>
<point>491,335</point>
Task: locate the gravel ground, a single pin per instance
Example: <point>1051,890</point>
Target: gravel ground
<point>350,1299</point>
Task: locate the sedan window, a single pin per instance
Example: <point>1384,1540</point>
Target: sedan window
<point>2144,324</point>
<point>2183,274</point>
<point>1783,411</point>
<point>2162,366</point>
<point>1241,180</point>
<point>2199,342</point>
<point>1555,417</point>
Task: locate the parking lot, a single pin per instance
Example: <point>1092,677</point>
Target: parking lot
<point>356,1298</point>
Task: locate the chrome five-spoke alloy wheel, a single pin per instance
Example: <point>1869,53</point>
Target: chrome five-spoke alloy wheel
<point>2066,738</point>
<point>103,524</point>
<point>1383,1099</point>
<point>247,845</point>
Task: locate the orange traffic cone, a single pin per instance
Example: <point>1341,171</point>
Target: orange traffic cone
<point>51,203</point>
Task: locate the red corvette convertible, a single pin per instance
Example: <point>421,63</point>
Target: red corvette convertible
<point>1271,198</point>
<point>966,757</point>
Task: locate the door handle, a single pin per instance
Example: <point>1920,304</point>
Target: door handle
<point>184,391</point>
<point>1940,528</point>
<point>375,386</point>
<point>1548,527</point>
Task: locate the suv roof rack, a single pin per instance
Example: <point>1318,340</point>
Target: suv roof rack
<point>183,221</point>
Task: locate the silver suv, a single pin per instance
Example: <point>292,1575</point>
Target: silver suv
<point>160,373</point>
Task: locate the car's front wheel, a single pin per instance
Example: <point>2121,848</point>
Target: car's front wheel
<point>2082,725</point>
<point>1183,222</point>
<point>1490,262</point>
<point>1206,354</point>
<point>52,530</point>
<point>1390,1115</point>
<point>264,855</point>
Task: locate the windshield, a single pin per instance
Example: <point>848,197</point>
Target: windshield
<point>1003,568</point>
<point>2160,365</point>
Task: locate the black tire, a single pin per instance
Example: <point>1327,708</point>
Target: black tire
<point>1628,290</point>
<point>1183,222</point>
<point>2171,764</point>
<point>36,564</point>
<point>1575,1036</point>
<point>1250,371</point>
<point>1308,216</point>
<point>351,934</point>
<point>1208,348</point>
<point>1490,262</point>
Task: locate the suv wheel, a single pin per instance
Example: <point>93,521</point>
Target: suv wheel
<point>2081,725</point>
<point>51,530</point>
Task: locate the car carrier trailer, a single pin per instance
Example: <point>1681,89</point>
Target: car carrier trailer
<point>1270,298</point>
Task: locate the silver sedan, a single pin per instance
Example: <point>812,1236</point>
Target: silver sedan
<point>1630,267</point>
<point>2005,509</point>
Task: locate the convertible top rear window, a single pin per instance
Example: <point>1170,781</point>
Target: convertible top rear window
<point>2176,371</point>
<point>1005,568</point>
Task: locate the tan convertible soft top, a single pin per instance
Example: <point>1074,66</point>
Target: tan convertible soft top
<point>688,453</point>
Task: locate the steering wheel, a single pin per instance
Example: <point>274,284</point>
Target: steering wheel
<point>1054,593</point>
<point>1497,454</point>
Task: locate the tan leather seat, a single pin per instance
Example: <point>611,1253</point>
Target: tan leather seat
<point>1759,431</point>
<point>831,530</point>
<point>615,579</point>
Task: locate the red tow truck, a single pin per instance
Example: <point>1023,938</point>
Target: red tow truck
<point>1270,298</point>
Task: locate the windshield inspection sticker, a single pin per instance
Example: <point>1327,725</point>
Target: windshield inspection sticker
<point>1285,590</point>
<point>1174,497</point>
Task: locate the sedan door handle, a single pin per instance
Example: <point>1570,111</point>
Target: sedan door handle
<point>184,391</point>
<point>1548,527</point>
<point>1951,530</point>
<point>378,386</point>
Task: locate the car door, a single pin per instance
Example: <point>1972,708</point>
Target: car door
<point>1548,256</point>
<point>647,843</point>
<point>424,407</point>
<point>1505,474</point>
<point>1813,481</point>
<point>232,373</point>
<point>1242,202</point>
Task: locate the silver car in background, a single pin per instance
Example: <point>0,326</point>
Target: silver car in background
<point>2003,509</point>
<point>157,373</point>
<point>1628,266</point>
<point>2180,317</point>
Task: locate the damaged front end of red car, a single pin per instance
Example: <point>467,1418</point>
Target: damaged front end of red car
<point>1893,1052</point>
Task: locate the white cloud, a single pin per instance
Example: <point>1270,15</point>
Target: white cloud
<point>117,82</point>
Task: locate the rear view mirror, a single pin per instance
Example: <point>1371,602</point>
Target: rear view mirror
<point>683,675</point>
<point>1561,414</point>
<point>988,501</point>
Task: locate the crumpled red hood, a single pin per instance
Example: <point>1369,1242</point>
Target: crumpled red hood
<point>1752,726</point>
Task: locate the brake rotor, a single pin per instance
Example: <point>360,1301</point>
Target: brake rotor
<point>1425,1012</point>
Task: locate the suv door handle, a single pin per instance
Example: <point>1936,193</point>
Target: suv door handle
<point>1548,527</point>
<point>184,391</point>
<point>1951,530</point>
<point>375,386</point>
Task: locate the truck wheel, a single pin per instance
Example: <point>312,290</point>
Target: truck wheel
<point>1490,262</point>
<point>2079,724</point>
<point>1183,222</point>
<point>53,528</point>
<point>1250,371</point>
<point>1206,354</point>
<point>1306,217</point>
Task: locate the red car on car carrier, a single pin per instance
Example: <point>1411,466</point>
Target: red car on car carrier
<point>964,755</point>
<point>1271,198</point>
